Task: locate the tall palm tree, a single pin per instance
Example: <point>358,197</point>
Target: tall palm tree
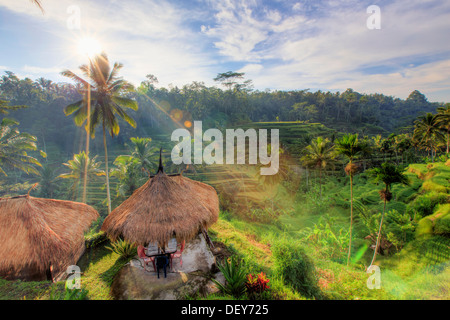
<point>47,181</point>
<point>319,154</point>
<point>5,108</point>
<point>129,176</point>
<point>427,132</point>
<point>14,146</point>
<point>107,102</point>
<point>77,167</point>
<point>142,154</point>
<point>388,174</point>
<point>134,169</point>
<point>350,147</point>
<point>443,121</point>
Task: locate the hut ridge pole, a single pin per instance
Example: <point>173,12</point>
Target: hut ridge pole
<point>160,168</point>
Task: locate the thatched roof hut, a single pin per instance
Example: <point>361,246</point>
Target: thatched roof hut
<point>37,233</point>
<point>164,207</point>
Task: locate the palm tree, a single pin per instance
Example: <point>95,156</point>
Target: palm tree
<point>107,102</point>
<point>47,181</point>
<point>77,166</point>
<point>443,121</point>
<point>388,174</point>
<point>142,154</point>
<point>350,147</point>
<point>427,132</point>
<point>319,154</point>
<point>14,146</point>
<point>38,3</point>
<point>5,108</point>
<point>129,176</point>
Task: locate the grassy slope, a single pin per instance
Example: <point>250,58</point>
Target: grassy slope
<point>420,271</point>
<point>336,281</point>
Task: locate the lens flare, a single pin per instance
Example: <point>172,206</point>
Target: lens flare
<point>176,114</point>
<point>89,46</point>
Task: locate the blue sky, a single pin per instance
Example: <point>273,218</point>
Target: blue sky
<point>289,44</point>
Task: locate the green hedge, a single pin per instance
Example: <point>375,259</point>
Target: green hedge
<point>295,267</point>
<point>95,239</point>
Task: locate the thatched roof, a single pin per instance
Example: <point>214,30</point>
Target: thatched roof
<point>165,206</point>
<point>36,232</point>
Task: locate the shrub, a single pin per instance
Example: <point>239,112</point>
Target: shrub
<point>123,248</point>
<point>442,220</point>
<point>315,203</point>
<point>330,238</point>
<point>398,206</point>
<point>234,278</point>
<point>69,294</point>
<point>399,228</point>
<point>443,225</point>
<point>256,285</point>
<point>431,185</point>
<point>94,239</point>
<point>295,267</point>
<point>424,205</point>
<point>424,228</point>
<point>263,215</point>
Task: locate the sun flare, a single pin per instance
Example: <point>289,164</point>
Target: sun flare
<point>89,46</point>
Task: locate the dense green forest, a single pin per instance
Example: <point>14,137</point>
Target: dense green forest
<point>237,103</point>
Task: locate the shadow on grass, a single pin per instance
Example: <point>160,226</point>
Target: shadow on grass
<point>92,255</point>
<point>23,290</point>
<point>108,275</point>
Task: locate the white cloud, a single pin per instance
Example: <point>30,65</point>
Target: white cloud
<point>40,70</point>
<point>147,37</point>
<point>286,45</point>
<point>330,51</point>
<point>237,31</point>
<point>297,6</point>
<point>251,69</point>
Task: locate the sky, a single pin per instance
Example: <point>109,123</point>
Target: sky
<point>279,44</point>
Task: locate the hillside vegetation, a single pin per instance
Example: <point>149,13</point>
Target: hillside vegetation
<point>341,202</point>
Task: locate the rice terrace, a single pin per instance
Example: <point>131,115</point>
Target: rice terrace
<point>135,166</point>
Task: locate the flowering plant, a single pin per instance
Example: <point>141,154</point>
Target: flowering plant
<point>257,284</point>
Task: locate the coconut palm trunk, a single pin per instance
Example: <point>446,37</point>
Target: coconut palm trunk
<point>109,101</point>
<point>379,234</point>
<point>389,174</point>
<point>88,134</point>
<point>432,155</point>
<point>320,181</point>
<point>351,220</point>
<point>448,141</point>
<point>108,195</point>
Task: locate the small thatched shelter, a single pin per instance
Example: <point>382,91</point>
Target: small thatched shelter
<point>164,207</point>
<point>40,238</point>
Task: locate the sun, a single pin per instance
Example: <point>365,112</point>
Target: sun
<point>89,46</point>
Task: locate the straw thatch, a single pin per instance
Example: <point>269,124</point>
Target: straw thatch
<point>165,206</point>
<point>206,194</point>
<point>38,233</point>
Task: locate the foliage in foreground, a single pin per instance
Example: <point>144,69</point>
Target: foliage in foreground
<point>123,248</point>
<point>69,293</point>
<point>235,278</point>
<point>296,268</point>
